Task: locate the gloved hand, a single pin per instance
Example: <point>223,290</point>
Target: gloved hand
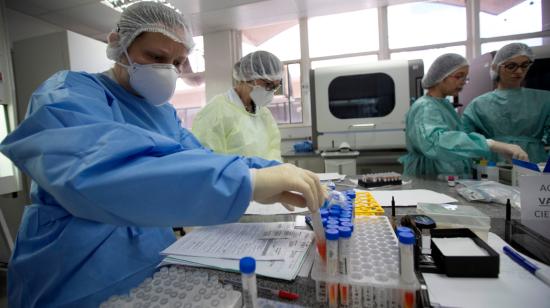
<point>508,150</point>
<point>290,185</point>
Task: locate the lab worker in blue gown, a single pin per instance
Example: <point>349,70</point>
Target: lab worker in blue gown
<point>512,113</point>
<point>112,171</point>
<point>437,145</point>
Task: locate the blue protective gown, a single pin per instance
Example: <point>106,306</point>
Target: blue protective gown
<point>520,116</point>
<point>436,142</point>
<point>111,175</point>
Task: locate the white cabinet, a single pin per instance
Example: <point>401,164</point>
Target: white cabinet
<point>310,161</point>
<point>37,58</point>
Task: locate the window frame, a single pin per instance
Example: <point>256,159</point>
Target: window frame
<point>472,43</point>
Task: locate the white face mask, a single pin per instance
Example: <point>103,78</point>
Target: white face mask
<point>155,82</point>
<point>261,96</point>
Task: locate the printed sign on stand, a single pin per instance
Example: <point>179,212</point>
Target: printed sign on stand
<point>535,202</point>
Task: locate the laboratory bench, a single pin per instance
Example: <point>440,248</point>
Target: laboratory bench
<point>305,287</point>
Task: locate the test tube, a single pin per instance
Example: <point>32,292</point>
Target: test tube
<point>344,219</point>
<point>347,224</point>
<point>406,254</point>
<point>356,296</point>
<point>408,299</point>
<point>318,228</point>
<point>350,193</point>
<point>368,296</point>
<point>332,236</point>
<point>403,229</point>
<point>319,236</point>
<point>321,291</point>
<point>344,254</point>
<point>247,266</point>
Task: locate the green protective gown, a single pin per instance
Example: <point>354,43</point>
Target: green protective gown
<point>520,116</point>
<point>436,142</point>
<point>224,126</point>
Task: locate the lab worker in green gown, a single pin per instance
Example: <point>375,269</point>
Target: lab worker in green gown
<point>436,142</point>
<point>512,113</point>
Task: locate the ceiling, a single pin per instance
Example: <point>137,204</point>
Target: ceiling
<point>93,19</point>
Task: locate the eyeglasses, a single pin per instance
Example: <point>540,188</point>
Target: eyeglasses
<point>512,67</point>
<point>461,77</point>
<point>270,85</point>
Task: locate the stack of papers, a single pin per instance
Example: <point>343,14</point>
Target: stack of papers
<point>255,208</point>
<point>278,248</point>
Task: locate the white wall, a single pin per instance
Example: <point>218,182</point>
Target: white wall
<point>21,26</point>
<point>221,49</point>
<point>87,54</point>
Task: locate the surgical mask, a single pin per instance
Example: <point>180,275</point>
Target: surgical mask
<point>154,82</point>
<point>261,96</point>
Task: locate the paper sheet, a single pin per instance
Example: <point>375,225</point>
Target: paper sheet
<point>233,241</point>
<point>459,246</point>
<point>286,270</point>
<point>409,197</point>
<point>255,208</point>
<point>294,249</point>
<point>330,176</point>
<point>515,286</point>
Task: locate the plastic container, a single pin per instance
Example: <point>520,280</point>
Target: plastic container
<point>176,286</point>
<point>492,171</point>
<point>450,216</point>
<point>451,181</point>
<point>481,169</point>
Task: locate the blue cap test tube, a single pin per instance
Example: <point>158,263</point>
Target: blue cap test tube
<point>247,266</point>
<point>332,236</point>
<point>403,229</point>
<point>346,213</point>
<point>347,224</point>
<point>344,219</point>
<point>344,262</point>
<point>406,254</point>
<point>350,193</point>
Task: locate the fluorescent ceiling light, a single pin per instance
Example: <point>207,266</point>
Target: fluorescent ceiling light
<point>120,5</point>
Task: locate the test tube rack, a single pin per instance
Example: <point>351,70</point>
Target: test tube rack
<point>366,205</point>
<point>380,179</point>
<point>373,271</point>
<point>176,287</point>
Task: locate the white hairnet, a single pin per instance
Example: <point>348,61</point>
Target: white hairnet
<point>507,52</point>
<point>148,16</point>
<point>258,65</point>
<point>442,67</point>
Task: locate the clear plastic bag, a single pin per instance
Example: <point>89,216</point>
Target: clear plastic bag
<point>489,191</point>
